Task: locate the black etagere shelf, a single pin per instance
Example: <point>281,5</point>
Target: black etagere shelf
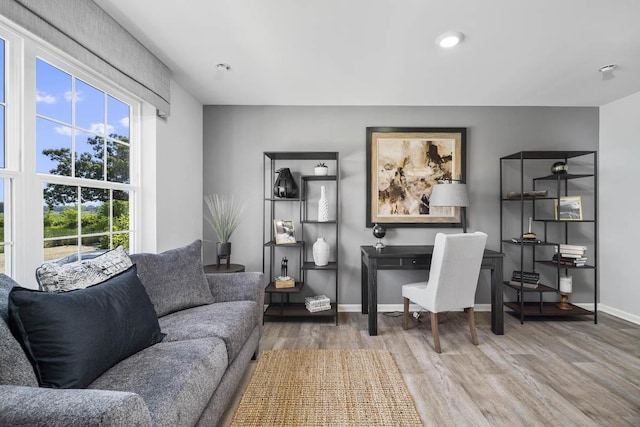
<point>560,185</point>
<point>286,303</point>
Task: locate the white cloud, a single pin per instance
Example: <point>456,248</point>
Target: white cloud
<point>99,129</point>
<point>68,96</point>
<point>63,130</point>
<point>45,97</point>
<point>124,122</point>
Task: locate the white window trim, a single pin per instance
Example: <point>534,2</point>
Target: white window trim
<point>14,47</point>
<point>26,213</point>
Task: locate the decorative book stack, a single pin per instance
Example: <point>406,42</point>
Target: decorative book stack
<point>571,255</point>
<point>317,303</point>
<point>526,194</point>
<point>528,279</point>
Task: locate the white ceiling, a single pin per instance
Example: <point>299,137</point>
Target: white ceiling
<point>383,52</point>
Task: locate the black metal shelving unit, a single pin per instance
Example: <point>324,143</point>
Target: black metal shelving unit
<point>288,303</point>
<point>563,186</point>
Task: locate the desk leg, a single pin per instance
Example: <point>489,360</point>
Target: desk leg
<point>364,283</point>
<point>497,309</point>
<point>373,296</point>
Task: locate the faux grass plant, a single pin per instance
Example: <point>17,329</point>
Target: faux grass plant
<point>224,215</point>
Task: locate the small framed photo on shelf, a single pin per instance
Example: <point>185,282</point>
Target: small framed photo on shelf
<point>284,231</point>
<point>569,209</point>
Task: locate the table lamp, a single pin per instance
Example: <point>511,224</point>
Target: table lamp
<point>451,194</point>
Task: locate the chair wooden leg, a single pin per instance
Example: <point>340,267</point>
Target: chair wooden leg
<point>405,322</point>
<point>434,331</point>
<point>472,325</point>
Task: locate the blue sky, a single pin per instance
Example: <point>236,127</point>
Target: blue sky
<point>55,97</point>
<point>95,113</point>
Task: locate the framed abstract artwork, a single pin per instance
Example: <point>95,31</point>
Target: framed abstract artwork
<point>403,165</point>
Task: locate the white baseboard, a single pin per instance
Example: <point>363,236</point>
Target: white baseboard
<point>357,308</point>
<point>382,308</point>
<point>633,318</point>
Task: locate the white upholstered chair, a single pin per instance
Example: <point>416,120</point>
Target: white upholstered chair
<point>453,278</point>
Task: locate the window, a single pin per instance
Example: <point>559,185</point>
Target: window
<point>83,153</point>
<point>69,157</point>
<point>5,179</point>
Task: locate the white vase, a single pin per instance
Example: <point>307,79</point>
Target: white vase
<point>323,206</point>
<point>321,251</point>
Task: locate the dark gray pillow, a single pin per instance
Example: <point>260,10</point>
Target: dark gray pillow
<point>73,337</point>
<point>174,279</point>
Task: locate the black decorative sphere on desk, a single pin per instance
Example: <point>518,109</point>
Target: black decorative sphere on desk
<point>379,232</point>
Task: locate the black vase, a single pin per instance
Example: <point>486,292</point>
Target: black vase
<point>285,185</point>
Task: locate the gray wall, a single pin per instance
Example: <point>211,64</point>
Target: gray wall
<point>620,176</point>
<point>236,136</point>
<point>178,172</point>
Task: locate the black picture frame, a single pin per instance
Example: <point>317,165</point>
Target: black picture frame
<point>403,163</point>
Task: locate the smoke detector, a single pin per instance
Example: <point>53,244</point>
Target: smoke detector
<point>607,71</point>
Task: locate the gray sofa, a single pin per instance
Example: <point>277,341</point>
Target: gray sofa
<point>187,379</point>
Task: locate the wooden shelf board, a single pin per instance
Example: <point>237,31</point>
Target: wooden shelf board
<point>517,199</point>
<point>285,245</point>
<point>555,264</point>
<point>319,178</point>
<point>302,155</point>
<point>540,288</point>
<point>296,309</point>
<point>271,288</point>
<point>530,243</point>
<point>548,309</point>
<point>564,176</point>
<point>283,199</point>
<point>548,155</point>
<point>563,220</point>
<point>312,266</point>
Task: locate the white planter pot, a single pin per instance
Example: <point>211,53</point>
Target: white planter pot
<point>321,170</point>
<point>321,251</point>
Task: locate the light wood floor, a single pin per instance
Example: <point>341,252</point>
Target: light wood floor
<point>542,373</point>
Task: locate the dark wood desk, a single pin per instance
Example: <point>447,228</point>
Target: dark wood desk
<point>419,258</point>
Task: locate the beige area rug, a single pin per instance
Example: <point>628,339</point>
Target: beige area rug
<point>326,388</point>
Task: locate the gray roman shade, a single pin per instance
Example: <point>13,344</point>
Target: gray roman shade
<point>86,32</point>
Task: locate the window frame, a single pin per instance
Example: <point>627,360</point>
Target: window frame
<point>13,48</point>
<point>132,187</point>
<point>24,215</point>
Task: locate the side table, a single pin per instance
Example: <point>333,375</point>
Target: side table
<point>232,268</point>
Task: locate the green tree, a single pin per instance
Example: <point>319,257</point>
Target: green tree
<point>88,165</point>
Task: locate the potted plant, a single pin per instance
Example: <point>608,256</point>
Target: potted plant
<point>224,216</point>
<point>321,169</point>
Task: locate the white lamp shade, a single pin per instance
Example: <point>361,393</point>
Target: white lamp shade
<point>454,194</point>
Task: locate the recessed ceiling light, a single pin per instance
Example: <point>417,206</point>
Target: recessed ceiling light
<point>449,39</point>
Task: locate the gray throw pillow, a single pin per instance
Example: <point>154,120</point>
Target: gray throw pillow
<point>174,279</point>
<point>16,368</point>
<point>60,276</point>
